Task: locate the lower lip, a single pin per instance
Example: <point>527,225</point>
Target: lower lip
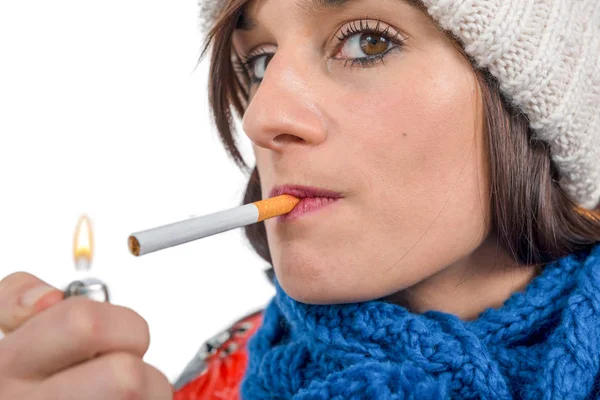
<point>307,205</point>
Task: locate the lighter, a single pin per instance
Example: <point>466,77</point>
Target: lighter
<point>91,288</point>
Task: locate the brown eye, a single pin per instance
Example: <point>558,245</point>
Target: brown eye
<point>365,45</point>
<point>372,44</point>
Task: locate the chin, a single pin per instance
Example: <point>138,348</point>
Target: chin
<point>302,284</point>
<point>304,292</point>
<point>319,284</point>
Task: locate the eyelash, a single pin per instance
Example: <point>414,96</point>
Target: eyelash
<point>244,62</point>
<point>363,28</point>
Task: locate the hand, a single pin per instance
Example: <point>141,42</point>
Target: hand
<point>74,348</point>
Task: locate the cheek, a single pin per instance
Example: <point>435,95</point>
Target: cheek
<point>418,139</point>
<point>415,128</point>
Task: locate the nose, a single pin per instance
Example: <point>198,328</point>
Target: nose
<point>284,110</point>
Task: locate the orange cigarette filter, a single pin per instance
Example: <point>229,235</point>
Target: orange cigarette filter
<point>275,206</point>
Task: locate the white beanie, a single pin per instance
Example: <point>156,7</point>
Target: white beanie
<point>545,55</point>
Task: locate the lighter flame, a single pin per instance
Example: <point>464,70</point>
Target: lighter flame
<point>83,245</point>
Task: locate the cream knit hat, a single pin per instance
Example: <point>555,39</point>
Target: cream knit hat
<point>545,55</point>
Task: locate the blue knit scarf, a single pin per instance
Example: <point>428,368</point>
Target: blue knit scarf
<point>543,343</point>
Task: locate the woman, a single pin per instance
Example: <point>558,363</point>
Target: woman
<point>446,246</point>
<point>439,141</point>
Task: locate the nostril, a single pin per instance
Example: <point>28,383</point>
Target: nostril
<point>287,138</point>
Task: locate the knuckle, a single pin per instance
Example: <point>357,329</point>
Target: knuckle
<point>83,322</point>
<point>144,333</point>
<point>140,328</point>
<point>128,374</point>
<point>89,324</point>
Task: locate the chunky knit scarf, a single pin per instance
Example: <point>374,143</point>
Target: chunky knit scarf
<point>543,343</point>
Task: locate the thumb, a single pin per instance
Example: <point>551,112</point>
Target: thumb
<point>23,295</point>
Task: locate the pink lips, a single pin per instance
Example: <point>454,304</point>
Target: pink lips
<point>311,199</point>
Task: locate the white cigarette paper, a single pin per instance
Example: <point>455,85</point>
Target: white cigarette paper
<point>177,233</point>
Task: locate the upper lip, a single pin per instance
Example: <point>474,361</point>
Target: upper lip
<point>302,192</point>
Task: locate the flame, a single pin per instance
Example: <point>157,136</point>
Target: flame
<point>83,244</point>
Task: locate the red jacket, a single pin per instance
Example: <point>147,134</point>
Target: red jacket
<point>215,373</point>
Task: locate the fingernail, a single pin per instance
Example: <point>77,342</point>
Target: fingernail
<point>30,297</point>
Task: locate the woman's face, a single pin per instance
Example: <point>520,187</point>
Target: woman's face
<point>369,100</point>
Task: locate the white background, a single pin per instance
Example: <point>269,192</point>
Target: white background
<point>103,112</point>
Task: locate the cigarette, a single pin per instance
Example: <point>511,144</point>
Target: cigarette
<point>177,233</point>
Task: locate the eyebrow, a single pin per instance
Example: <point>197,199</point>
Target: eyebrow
<point>247,23</point>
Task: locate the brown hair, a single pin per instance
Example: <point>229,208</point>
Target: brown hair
<point>533,218</point>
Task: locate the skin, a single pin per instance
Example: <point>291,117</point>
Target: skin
<point>402,141</point>
<point>73,348</point>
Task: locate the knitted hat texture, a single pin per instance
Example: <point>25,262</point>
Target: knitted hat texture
<point>545,55</point>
